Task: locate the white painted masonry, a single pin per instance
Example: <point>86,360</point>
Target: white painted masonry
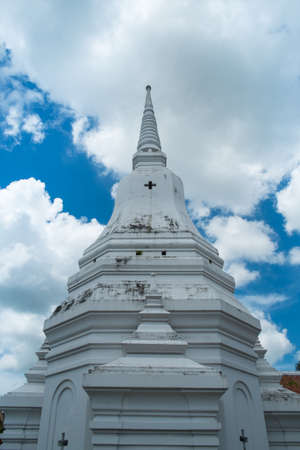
<point>151,349</point>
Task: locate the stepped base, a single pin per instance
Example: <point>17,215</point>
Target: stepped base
<point>154,410</point>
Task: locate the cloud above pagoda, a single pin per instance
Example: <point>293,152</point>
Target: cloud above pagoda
<point>225,78</point>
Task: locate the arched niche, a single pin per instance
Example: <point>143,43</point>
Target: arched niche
<point>244,413</point>
<point>62,406</point>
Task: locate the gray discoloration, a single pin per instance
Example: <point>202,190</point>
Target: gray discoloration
<point>67,304</point>
<point>172,224</point>
<point>84,296</point>
<point>134,290</point>
<point>145,224</point>
<point>57,309</point>
<point>138,226</point>
<point>122,260</point>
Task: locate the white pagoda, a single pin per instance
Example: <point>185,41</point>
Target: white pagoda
<point>151,349</point>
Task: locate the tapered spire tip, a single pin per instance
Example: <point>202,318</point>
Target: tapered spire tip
<point>149,138</point>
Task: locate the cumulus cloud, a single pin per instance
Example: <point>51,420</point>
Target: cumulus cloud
<point>20,337</point>
<point>13,122</point>
<point>294,255</point>
<point>266,300</point>
<point>40,245</point>
<point>16,99</point>
<point>240,240</point>
<point>225,79</point>
<point>15,256</point>
<point>16,122</point>
<point>241,274</point>
<point>114,190</point>
<point>288,202</point>
<point>79,127</point>
<point>102,144</point>
<point>19,331</point>
<point>273,338</point>
<point>33,125</point>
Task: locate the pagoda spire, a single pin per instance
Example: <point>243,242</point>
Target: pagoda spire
<point>149,138</point>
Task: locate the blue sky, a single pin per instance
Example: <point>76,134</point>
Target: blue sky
<point>226,89</point>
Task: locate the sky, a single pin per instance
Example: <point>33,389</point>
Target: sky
<point>225,79</point>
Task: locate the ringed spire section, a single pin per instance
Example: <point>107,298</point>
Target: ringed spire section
<point>149,138</point>
<point>149,147</point>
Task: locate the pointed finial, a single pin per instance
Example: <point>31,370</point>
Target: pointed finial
<point>148,101</point>
<point>149,138</point>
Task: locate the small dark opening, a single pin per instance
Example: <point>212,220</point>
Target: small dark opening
<point>210,261</point>
<point>94,260</point>
<point>139,252</point>
<point>164,252</point>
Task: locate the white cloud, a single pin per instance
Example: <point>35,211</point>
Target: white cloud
<point>114,190</point>
<point>225,110</point>
<point>264,300</point>
<point>288,200</point>
<point>16,122</point>
<point>197,214</point>
<point>79,127</point>
<point>11,258</point>
<point>273,338</point>
<point>15,100</point>
<point>20,337</point>
<point>40,245</point>
<point>33,125</point>
<point>294,255</point>
<point>13,122</point>
<point>241,239</point>
<point>19,332</point>
<point>241,274</point>
<point>105,145</point>
<point>8,361</point>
